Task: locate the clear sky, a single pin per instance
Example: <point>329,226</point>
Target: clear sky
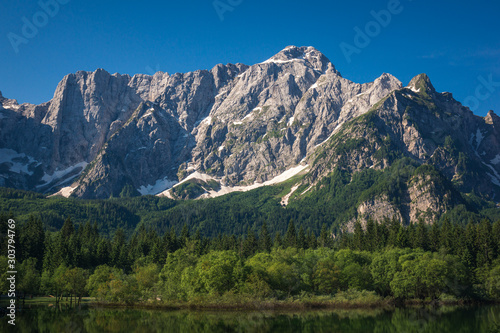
<point>457,43</point>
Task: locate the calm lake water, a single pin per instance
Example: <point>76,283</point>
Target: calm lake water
<point>446,319</point>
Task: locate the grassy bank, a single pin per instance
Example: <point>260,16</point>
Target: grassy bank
<point>351,299</point>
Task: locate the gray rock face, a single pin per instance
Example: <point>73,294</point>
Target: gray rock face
<point>104,135</point>
<point>277,113</point>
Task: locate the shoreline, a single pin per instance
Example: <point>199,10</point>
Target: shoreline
<point>289,305</point>
<point>218,304</point>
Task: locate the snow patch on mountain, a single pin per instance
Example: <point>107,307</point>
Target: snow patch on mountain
<point>60,174</point>
<point>479,138</point>
<point>227,189</point>
<point>496,160</point>
<point>159,186</point>
<point>19,162</point>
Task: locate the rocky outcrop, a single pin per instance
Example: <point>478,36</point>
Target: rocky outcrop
<point>378,209</point>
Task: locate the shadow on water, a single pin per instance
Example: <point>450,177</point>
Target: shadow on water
<point>43,318</point>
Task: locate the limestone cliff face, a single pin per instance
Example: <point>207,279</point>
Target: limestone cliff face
<point>425,198</point>
<point>240,126</point>
<point>377,209</point>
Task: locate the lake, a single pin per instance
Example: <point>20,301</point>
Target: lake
<point>43,318</point>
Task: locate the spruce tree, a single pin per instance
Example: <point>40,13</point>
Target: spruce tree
<point>265,242</point>
<point>278,241</point>
<point>359,236</point>
<point>249,244</point>
<point>421,236</point>
<point>32,240</point>
<point>290,236</point>
<point>434,237</point>
<point>301,239</point>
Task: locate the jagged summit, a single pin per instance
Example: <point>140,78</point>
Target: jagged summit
<point>306,54</point>
<point>492,118</point>
<point>421,83</point>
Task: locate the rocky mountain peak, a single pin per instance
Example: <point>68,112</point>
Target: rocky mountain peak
<point>387,81</point>
<point>421,83</point>
<point>492,118</point>
<point>306,54</point>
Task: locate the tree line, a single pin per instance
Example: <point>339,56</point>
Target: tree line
<point>383,259</point>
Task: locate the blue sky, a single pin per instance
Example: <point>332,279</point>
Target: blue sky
<point>456,43</point>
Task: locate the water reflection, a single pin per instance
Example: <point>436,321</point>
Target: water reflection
<point>89,319</point>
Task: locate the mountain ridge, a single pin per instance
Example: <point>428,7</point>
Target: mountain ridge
<point>236,127</point>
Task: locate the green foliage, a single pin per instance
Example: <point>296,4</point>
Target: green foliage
<point>29,277</point>
<point>109,284</point>
<point>443,261</point>
<point>216,272</point>
<point>190,189</point>
<point>425,274</point>
<point>492,283</point>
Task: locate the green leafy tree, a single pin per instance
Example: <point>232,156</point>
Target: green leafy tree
<point>172,272</point>
<point>326,276</point>
<point>383,268</point>
<point>75,281</point>
<point>30,277</point>
<point>147,278</point>
<point>492,283</point>
<point>216,271</point>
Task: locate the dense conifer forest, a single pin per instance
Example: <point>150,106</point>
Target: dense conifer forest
<point>381,261</point>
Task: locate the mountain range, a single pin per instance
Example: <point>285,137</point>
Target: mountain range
<point>292,119</point>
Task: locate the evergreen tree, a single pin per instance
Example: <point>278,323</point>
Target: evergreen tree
<point>484,243</point>
<point>382,234</point>
<point>51,256</point>
<point>434,238</point>
<point>198,243</point>
<point>290,239</point>
<point>446,234</point>
<point>470,242</point>
<point>301,239</point>
<point>103,252</point>
<point>117,247</point>
<point>250,244</point>
<point>184,236</point>
<point>402,238</point>
<point>393,226</point>
<point>370,236</point>
<point>67,229</point>
<point>312,242</point>
<point>421,236</point>
<point>265,242</point>
<point>32,240</point>
<point>278,241</point>
<point>174,241</point>
<point>411,231</point>
<point>358,236</point>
